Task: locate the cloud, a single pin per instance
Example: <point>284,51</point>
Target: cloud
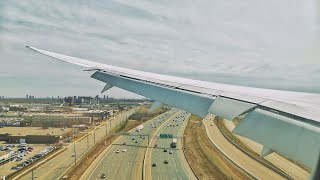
<point>250,43</point>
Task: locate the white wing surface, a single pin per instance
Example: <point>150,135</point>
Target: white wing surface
<point>285,122</point>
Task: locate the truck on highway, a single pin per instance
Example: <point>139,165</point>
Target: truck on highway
<point>174,143</point>
<point>139,128</point>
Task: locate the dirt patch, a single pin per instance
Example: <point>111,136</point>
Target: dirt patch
<point>206,161</point>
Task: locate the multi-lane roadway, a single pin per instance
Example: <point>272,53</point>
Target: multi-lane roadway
<point>56,167</point>
<point>124,160</point>
<point>167,162</point>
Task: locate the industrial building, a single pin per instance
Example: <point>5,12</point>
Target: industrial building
<point>56,120</point>
<point>30,139</point>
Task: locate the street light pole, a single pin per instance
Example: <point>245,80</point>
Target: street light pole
<point>88,140</point>
<point>74,153</point>
<point>94,135</point>
<point>110,130</point>
<point>110,126</point>
<point>106,127</point>
<point>94,131</point>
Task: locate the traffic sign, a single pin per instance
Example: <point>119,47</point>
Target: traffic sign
<point>166,135</point>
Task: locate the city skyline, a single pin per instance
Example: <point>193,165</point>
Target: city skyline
<point>194,40</point>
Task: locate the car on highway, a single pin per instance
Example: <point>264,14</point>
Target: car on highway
<point>124,150</point>
<point>117,151</point>
<point>136,141</point>
<point>170,152</point>
<point>166,161</point>
<point>165,150</point>
<point>124,143</point>
<point>154,165</point>
<point>103,175</point>
<point>133,139</point>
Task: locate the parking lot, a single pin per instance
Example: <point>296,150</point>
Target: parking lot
<point>15,156</point>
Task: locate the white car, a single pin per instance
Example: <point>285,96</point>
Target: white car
<point>117,151</point>
<point>124,150</point>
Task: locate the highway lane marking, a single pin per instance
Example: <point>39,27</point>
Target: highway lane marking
<point>172,159</point>
<point>160,128</point>
<point>118,140</point>
<point>80,141</point>
<point>108,153</point>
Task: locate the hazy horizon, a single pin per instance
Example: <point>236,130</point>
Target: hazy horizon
<point>270,44</point>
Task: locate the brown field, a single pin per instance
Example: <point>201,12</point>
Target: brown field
<point>206,161</point>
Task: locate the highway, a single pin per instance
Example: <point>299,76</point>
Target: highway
<point>282,163</point>
<point>124,165</point>
<point>56,167</point>
<point>177,167</point>
<point>237,156</point>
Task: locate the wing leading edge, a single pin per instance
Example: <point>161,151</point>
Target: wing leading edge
<point>285,122</point>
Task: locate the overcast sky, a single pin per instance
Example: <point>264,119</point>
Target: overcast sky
<point>271,44</point>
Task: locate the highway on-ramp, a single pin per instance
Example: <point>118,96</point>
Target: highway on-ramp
<point>237,156</point>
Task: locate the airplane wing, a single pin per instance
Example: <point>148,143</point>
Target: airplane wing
<point>285,122</point>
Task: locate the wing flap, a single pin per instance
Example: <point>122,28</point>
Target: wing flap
<point>229,108</point>
<point>293,139</point>
<point>185,100</point>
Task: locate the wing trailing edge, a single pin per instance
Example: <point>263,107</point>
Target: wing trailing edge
<point>284,122</point>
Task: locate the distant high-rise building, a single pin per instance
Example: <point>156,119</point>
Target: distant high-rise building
<point>69,100</point>
<point>104,96</point>
<point>27,96</point>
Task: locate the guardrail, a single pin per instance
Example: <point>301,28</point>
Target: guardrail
<point>231,161</point>
<point>273,168</point>
<point>184,153</point>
